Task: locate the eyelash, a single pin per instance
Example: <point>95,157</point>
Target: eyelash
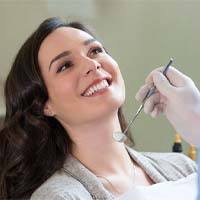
<point>99,49</point>
<point>69,63</point>
<point>66,65</point>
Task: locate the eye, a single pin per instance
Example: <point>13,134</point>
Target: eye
<point>64,66</point>
<point>96,50</point>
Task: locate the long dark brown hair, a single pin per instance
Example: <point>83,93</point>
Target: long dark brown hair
<point>32,145</point>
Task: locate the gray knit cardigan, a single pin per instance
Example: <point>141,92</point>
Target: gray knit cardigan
<point>74,181</point>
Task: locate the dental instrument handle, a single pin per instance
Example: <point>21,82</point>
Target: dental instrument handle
<point>151,91</point>
<point>121,136</point>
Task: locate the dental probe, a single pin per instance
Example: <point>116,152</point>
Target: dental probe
<point>120,136</point>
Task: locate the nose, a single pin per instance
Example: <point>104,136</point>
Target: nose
<point>91,65</point>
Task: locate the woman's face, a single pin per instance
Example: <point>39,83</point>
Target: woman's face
<point>84,83</point>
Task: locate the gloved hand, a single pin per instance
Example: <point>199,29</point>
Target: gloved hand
<point>178,98</point>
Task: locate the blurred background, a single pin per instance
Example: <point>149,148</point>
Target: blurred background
<point>140,34</point>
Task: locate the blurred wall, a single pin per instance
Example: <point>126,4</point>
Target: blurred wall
<point>140,35</point>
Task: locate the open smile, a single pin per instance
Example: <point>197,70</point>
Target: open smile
<point>98,86</point>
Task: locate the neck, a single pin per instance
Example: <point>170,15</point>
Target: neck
<point>94,146</point>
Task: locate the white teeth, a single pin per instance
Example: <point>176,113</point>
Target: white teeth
<point>99,86</point>
<point>90,91</point>
<point>95,88</point>
<point>104,82</point>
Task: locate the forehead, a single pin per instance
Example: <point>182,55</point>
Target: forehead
<point>66,35</point>
<point>61,39</point>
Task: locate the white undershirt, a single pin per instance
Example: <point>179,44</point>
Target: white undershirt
<point>183,189</point>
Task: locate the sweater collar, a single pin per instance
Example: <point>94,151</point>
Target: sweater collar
<point>77,170</point>
<point>92,184</point>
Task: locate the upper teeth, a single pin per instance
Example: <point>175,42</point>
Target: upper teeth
<point>95,88</point>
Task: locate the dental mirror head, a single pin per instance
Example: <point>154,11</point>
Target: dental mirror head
<point>119,136</point>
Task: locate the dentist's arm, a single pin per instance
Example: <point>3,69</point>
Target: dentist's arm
<point>178,98</point>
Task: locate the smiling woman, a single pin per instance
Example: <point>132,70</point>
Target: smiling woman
<point>33,143</point>
<point>64,97</point>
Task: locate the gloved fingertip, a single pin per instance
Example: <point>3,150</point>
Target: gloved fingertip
<point>158,77</point>
<point>146,110</point>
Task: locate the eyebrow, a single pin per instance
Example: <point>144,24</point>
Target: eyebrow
<point>66,53</point>
<point>89,41</point>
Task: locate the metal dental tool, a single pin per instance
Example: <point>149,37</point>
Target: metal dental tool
<point>120,136</point>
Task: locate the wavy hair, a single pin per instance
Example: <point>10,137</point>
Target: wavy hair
<point>32,146</point>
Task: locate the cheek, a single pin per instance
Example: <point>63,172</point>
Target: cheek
<point>62,92</point>
<point>112,61</point>
<point>115,71</point>
<point>110,65</point>
<point>65,101</point>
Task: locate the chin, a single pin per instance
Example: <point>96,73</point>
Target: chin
<point>112,106</point>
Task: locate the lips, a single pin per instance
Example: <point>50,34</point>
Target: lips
<point>96,82</point>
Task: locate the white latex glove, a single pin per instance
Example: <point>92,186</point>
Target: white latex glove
<point>178,98</point>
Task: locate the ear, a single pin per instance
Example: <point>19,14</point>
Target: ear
<point>48,110</point>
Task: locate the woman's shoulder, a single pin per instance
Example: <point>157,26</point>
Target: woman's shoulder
<point>177,162</point>
<point>164,166</point>
<point>61,186</point>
